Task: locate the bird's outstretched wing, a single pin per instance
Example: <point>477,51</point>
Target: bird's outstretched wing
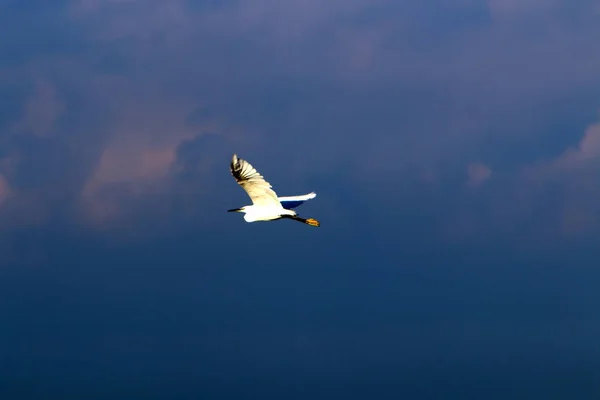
<point>253,183</point>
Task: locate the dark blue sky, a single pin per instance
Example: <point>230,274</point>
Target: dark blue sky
<point>454,147</point>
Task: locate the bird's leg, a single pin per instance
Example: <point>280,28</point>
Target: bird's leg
<point>308,221</point>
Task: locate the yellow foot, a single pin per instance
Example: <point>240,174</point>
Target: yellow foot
<point>313,222</point>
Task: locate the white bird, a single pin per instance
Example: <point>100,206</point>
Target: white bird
<point>266,206</point>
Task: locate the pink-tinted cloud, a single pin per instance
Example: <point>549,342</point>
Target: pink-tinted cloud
<point>135,167</point>
<point>576,172</point>
<point>572,161</point>
<point>142,147</point>
<point>556,198</point>
<point>587,150</point>
<point>477,174</point>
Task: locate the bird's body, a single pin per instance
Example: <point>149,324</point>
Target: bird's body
<point>253,214</point>
<point>266,205</point>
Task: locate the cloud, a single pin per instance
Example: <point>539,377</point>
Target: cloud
<point>141,149</point>
<point>586,152</point>
<point>573,175</point>
<point>347,91</point>
<point>477,174</point>
<point>549,200</point>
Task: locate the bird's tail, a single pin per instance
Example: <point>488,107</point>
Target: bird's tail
<point>303,197</point>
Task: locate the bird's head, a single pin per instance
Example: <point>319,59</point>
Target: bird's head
<point>242,210</point>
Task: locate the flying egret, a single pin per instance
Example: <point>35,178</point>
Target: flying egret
<point>266,206</point>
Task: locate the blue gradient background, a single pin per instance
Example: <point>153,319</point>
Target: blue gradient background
<point>454,147</point>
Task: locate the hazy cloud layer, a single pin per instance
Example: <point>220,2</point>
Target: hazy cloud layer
<point>110,100</point>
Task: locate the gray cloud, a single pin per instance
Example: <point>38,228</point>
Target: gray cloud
<point>117,108</point>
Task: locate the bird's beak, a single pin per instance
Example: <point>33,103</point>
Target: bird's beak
<point>235,210</point>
